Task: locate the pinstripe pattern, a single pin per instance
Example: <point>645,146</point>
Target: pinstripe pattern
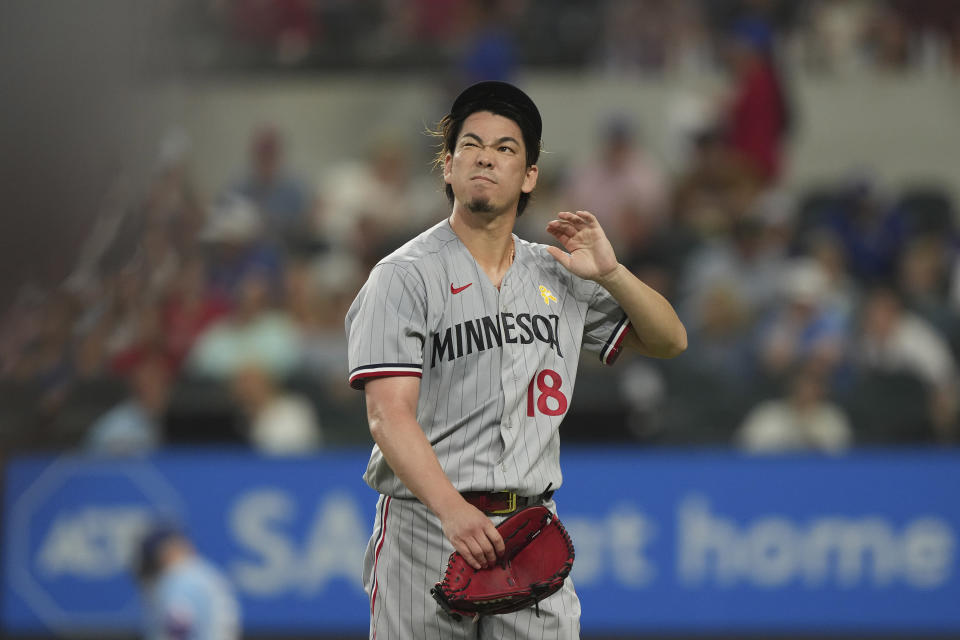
<point>406,559</point>
<point>474,401</point>
<point>493,366</point>
<point>378,546</point>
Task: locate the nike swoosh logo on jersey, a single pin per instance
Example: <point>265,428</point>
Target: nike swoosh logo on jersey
<point>456,290</point>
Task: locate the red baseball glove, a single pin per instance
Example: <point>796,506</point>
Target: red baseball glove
<point>538,556</point>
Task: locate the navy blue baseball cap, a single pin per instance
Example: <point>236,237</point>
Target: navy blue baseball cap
<point>147,562</point>
<point>505,99</point>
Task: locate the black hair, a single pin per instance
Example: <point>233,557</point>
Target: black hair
<point>448,130</point>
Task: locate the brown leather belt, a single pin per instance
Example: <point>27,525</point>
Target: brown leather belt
<point>502,503</point>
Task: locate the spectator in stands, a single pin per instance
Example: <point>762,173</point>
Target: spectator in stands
<point>893,339</point>
<point>189,310</point>
<point>803,420</point>
<point>489,53</point>
<point>720,372</point>
<point>720,328</point>
<point>825,249</point>
<point>185,596</point>
<point>136,425</point>
<point>300,299</point>
<point>319,292</point>
<point>923,281</point>
<point>638,36</point>
<point>759,116</point>
<point>148,340</point>
<point>255,331</point>
<point>717,189</point>
<point>932,31</point>
<point>623,187</point>
<point>887,39</point>
<point>421,23</point>
<point>834,37</point>
<point>741,261</point>
<point>280,198</point>
<point>278,422</point>
<point>370,205</point>
<point>236,247</point>
<point>805,329</point>
<point>871,230</point>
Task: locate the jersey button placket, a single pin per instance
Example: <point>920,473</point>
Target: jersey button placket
<point>511,356</point>
<point>502,296</point>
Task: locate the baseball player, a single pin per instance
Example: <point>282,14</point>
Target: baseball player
<point>186,597</point>
<point>466,342</point>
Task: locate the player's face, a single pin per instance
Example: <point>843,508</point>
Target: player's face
<point>487,169</point>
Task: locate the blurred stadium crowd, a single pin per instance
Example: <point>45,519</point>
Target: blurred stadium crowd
<point>818,318</point>
<point>488,36</point>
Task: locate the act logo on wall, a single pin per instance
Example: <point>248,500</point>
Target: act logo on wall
<point>72,538</point>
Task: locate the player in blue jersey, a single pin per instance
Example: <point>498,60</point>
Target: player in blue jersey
<point>185,597</point>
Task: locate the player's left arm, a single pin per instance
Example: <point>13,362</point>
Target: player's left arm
<point>655,328</point>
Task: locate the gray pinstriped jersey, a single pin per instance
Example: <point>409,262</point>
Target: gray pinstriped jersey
<point>496,367</point>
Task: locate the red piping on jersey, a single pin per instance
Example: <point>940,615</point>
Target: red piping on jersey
<point>614,351</point>
<point>355,379</point>
<point>376,556</point>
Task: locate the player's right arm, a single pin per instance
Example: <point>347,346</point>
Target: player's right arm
<point>392,414</point>
<point>386,329</point>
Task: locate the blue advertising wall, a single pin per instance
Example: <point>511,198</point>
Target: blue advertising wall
<point>665,541</point>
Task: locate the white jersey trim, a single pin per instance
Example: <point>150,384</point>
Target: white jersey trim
<point>360,375</point>
<point>611,349</point>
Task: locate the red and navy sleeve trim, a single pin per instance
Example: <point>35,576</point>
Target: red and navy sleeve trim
<point>611,350</point>
<point>360,375</point>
